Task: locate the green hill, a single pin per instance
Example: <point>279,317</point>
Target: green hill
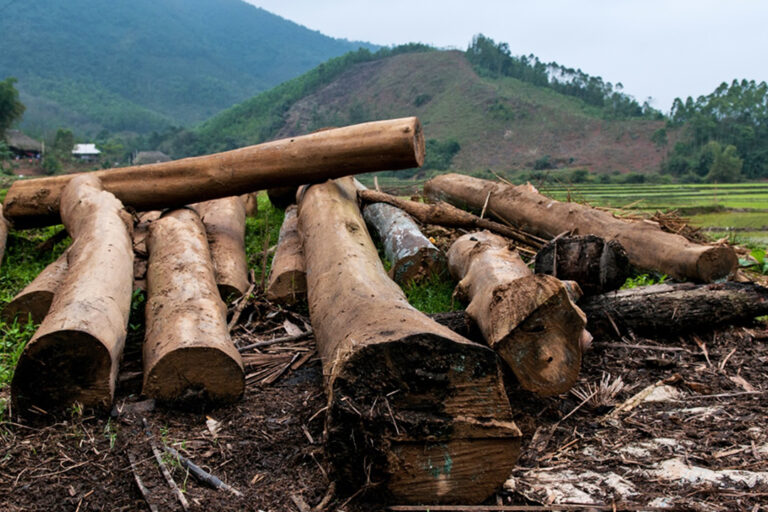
<point>473,121</point>
<point>146,64</point>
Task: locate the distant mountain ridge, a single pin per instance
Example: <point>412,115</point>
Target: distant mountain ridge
<point>143,65</point>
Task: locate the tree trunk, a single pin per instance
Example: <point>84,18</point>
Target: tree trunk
<point>411,404</point>
<point>189,358</point>
<point>598,266</point>
<point>3,234</point>
<point>287,278</point>
<point>282,197</point>
<point>412,255</point>
<point>665,309</point>
<point>444,214</point>
<point>251,201</point>
<point>368,147</point>
<point>528,319</point>
<point>35,299</point>
<point>74,355</point>
<point>647,246</point>
<point>224,221</point>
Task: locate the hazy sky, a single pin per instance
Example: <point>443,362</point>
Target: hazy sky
<point>658,48</point>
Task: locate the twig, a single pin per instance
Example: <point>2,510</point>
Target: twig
<point>579,406</point>
<point>320,507</point>
<point>48,244</point>
<point>142,488</point>
<point>200,474</point>
<point>642,347</point>
<point>283,339</point>
<point>240,307</point>
<point>300,503</point>
<point>163,467</point>
<point>485,204</point>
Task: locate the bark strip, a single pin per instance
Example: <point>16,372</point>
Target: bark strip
<point>189,358</point>
<point>74,355</point>
<point>647,246</point>
<point>412,404</point>
<point>35,299</point>
<point>287,279</point>
<point>368,147</point>
<point>528,319</point>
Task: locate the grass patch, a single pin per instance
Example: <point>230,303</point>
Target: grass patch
<point>434,295</point>
<point>266,223</point>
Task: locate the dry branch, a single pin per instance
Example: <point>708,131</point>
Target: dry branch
<point>411,404</point>
<point>647,246</point>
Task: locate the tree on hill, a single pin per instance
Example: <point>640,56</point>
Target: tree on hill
<point>726,164</point>
<point>11,108</point>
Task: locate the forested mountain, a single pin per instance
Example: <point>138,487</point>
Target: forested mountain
<point>143,65</point>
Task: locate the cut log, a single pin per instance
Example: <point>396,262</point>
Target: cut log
<point>34,301</point>
<point>673,308</point>
<point>647,246</point>
<point>74,355</point>
<point>189,358</point>
<point>287,278</point>
<point>251,201</point>
<point>3,234</point>
<point>224,221</point>
<point>412,405</point>
<point>598,266</point>
<point>368,147</point>
<point>444,214</point>
<point>413,257</point>
<point>282,197</point>
<point>528,319</point>
<point>140,252</point>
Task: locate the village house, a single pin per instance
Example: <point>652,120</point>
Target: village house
<point>23,146</point>
<point>86,152</point>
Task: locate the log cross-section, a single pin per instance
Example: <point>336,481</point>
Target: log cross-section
<point>74,355</point>
<point>411,405</point>
<point>528,319</point>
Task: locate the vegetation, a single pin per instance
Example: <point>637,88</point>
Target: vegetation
<point>11,108</point>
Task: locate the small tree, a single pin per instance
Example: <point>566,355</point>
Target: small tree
<point>726,165</point>
<point>11,109</point>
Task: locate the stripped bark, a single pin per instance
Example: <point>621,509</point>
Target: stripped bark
<point>74,355</point>
<point>411,404</point>
<point>596,265</point>
<point>647,246</point>
<point>34,301</point>
<point>528,319</point>
<point>224,221</point>
<point>287,278</point>
<point>664,309</point>
<point>189,358</point>
<point>368,147</point>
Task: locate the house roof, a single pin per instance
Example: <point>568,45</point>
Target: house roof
<point>85,149</point>
<point>150,157</point>
<point>17,140</point>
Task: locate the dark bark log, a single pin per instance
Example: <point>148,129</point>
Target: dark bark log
<point>224,221</point>
<point>674,308</point>
<point>528,319</point>
<point>282,197</point>
<point>647,246</point>
<point>74,355</point>
<point>35,299</point>
<point>596,265</point>
<point>189,358</point>
<point>368,147</point>
<point>411,404</point>
<point>287,278</point>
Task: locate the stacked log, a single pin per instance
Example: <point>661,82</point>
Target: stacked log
<point>528,319</point>
<point>74,355</point>
<point>647,246</point>
<point>34,301</point>
<point>287,279</point>
<point>189,358</point>
<point>368,147</point>
<point>224,221</point>
<point>412,404</point>
<point>251,201</point>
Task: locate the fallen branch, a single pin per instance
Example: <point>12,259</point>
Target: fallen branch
<point>283,339</point>
<point>140,484</point>
<point>200,474</point>
<point>163,468</point>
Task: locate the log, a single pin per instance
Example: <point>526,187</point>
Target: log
<point>140,252</point>
<point>224,221</point>
<point>444,214</point>
<point>664,309</point>
<point>528,319</point>
<point>647,246</point>
<point>411,404</point>
<point>596,265</point>
<point>251,201</point>
<point>3,234</point>
<point>282,197</point>
<point>413,257</point>
<point>189,358</point>
<point>34,301</point>
<point>74,355</point>
<point>287,279</point>
<point>368,147</point>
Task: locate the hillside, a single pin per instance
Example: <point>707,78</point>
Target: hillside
<point>147,64</point>
<point>501,124</point>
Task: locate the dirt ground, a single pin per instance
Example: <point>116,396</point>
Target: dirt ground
<point>707,412</point>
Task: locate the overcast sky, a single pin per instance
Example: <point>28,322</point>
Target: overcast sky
<point>658,48</point>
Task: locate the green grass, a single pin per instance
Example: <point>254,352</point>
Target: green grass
<point>267,222</point>
<point>433,295</point>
